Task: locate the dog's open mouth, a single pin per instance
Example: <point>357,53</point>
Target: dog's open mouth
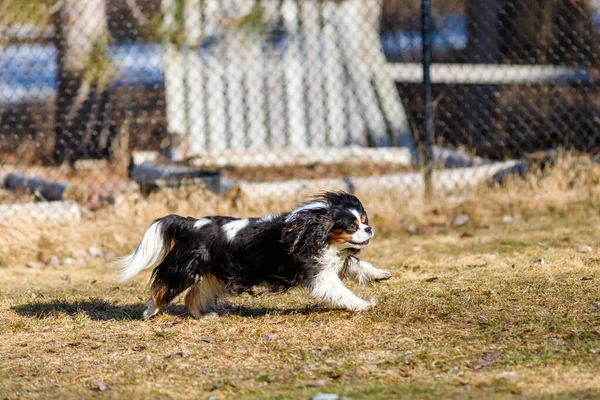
<point>366,242</point>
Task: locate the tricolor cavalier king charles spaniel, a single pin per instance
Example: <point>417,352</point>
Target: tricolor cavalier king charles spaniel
<point>312,246</point>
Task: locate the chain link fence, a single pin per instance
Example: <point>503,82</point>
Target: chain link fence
<point>286,96</point>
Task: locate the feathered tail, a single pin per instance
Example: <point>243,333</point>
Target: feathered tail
<point>152,249</point>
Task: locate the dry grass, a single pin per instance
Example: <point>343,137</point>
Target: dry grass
<point>469,313</point>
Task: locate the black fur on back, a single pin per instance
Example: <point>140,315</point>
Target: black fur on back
<point>277,252</point>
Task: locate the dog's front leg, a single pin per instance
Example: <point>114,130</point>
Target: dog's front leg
<point>328,286</point>
<point>364,272</point>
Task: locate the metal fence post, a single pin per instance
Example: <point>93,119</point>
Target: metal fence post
<point>426,158</point>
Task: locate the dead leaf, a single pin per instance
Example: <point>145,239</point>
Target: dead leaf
<point>102,387</point>
<point>317,383</point>
<point>508,375</point>
<point>585,249</point>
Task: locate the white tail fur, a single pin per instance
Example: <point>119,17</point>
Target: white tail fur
<point>150,251</point>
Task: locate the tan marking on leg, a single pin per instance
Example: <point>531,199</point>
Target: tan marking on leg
<point>158,297</point>
<point>193,299</point>
<point>202,297</point>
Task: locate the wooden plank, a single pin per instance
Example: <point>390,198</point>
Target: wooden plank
<point>334,78</point>
<point>385,87</point>
<point>494,74</point>
<point>349,155</point>
<point>175,84</point>
<point>236,95</point>
<point>256,101</point>
<point>193,25</point>
<point>347,27</point>
<point>357,130</point>
<point>274,83</point>
<point>233,54</point>
<point>313,64</point>
<point>275,86</point>
<point>197,136</point>
<point>212,15</point>
<point>294,77</point>
<point>215,101</point>
<point>216,112</point>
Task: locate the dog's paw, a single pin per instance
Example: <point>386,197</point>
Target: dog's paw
<point>381,275</point>
<point>362,305</point>
<point>151,310</point>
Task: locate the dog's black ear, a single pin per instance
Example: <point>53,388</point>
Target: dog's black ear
<point>307,231</point>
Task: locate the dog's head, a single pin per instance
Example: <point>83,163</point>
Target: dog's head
<point>332,219</point>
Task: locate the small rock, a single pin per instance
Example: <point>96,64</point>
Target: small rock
<point>460,220</point>
<point>538,261</point>
<point>34,265</point>
<point>478,264</point>
<point>509,219</point>
<point>585,249</point>
<point>208,339</point>
<point>325,396</point>
<point>54,260</point>
<point>101,385</point>
<point>317,383</point>
<point>271,336</point>
<point>68,261</point>
<point>95,252</point>
<point>110,256</point>
<point>508,375</point>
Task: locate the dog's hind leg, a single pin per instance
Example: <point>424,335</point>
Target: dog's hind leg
<point>160,297</point>
<point>163,294</point>
<point>151,309</point>
<point>202,297</point>
<point>154,303</point>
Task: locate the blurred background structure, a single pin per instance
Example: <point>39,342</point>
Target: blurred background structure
<point>101,92</point>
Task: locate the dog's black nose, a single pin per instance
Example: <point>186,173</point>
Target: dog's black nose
<point>369,230</point>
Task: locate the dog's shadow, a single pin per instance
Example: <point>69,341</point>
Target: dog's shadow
<point>102,310</point>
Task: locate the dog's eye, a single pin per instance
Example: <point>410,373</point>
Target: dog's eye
<point>352,228</point>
